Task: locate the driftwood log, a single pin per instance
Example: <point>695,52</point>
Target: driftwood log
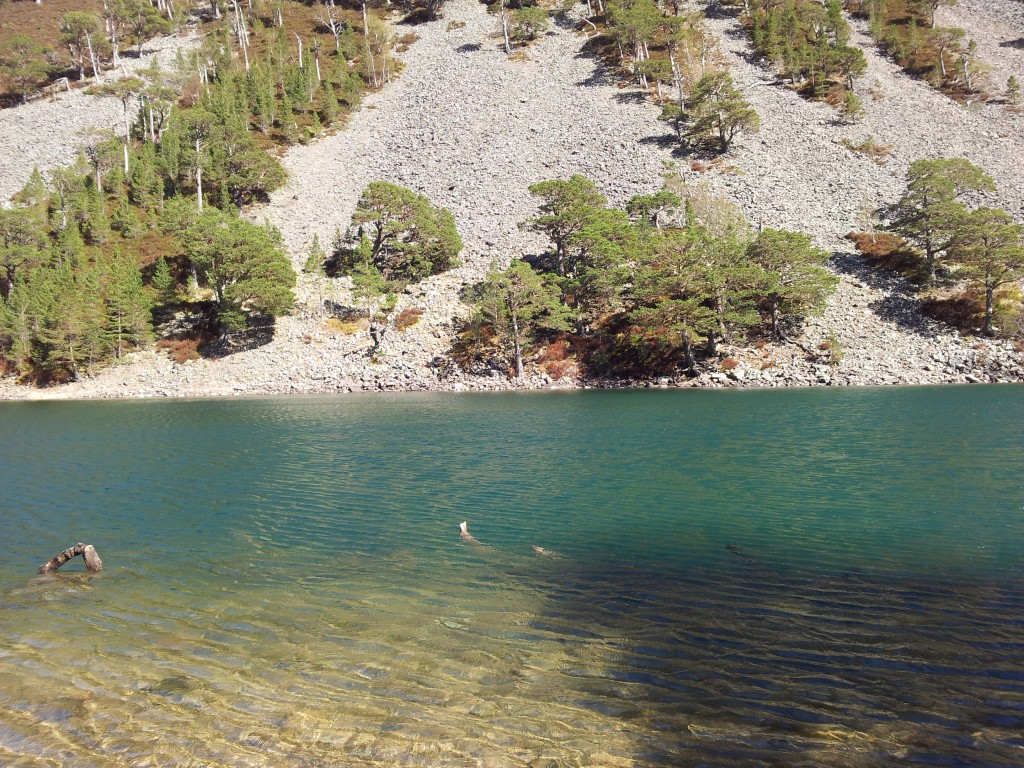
<point>87,551</point>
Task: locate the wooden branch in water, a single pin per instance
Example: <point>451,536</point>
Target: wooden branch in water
<point>87,551</point>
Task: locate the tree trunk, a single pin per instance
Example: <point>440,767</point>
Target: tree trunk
<point>504,28</point>
<point>88,553</point>
<point>199,180</point>
<point>92,58</point>
<point>517,347</point>
<point>987,327</point>
<point>688,361</point>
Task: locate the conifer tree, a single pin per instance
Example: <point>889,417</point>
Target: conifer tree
<point>242,264</point>
<point>989,245</point>
<point>929,210</point>
<point>164,286</point>
<point>410,239</point>
<point>718,111</point>
<point>566,207</point>
<point>22,245</point>
<point>80,32</point>
<point>794,278</point>
<point>316,258</point>
<point>669,309</point>
<point>126,305</point>
<point>19,323</point>
<point>1013,97</point>
<point>518,303</point>
<point>23,63</point>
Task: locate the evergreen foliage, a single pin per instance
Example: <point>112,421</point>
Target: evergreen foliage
<point>718,112</point>
<point>989,247</point>
<point>642,287</point>
<point>809,43</point>
<point>906,30</point>
<point>930,210</point>
<point>517,304</point>
<point>401,235</point>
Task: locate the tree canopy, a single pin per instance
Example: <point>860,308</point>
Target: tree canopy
<point>930,209</point>
<point>401,234</point>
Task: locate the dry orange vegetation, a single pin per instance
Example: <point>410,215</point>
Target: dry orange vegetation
<point>41,22</point>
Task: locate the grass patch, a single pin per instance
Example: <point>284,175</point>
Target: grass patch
<point>875,150</point>
<point>347,327</point>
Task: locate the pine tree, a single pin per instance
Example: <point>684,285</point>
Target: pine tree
<point>565,208</point>
<point>794,278</point>
<point>852,108</point>
<point>669,309</point>
<point>242,264</point>
<point>928,212</point>
<point>316,258</point>
<point>124,219</point>
<point>411,239</point>
<point>164,285</point>
<point>1013,97</point>
<point>518,303</point>
<point>989,245</point>
<point>22,244</point>
<point>718,111</point>
<point>330,104</point>
<point>126,305</point>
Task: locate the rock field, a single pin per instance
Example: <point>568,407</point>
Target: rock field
<point>471,129</point>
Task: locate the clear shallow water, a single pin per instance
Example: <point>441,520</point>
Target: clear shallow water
<point>758,578</point>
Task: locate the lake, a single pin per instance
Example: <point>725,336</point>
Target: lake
<point>777,578</point>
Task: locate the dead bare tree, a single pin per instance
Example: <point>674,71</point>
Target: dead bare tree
<point>88,552</point>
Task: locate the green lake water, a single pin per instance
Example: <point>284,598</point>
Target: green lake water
<point>784,578</point>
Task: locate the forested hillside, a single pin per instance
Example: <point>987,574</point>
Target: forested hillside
<point>654,174</point>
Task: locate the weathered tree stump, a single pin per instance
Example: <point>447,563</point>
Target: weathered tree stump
<point>87,551</point>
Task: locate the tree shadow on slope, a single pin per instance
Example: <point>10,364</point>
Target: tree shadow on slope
<point>1018,43</point>
<point>667,141</point>
<point>194,332</point>
<point>631,97</point>
<point>900,305</point>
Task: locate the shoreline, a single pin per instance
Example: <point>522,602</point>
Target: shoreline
<point>88,389</point>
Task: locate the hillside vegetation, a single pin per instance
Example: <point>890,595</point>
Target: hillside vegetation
<point>543,115</point>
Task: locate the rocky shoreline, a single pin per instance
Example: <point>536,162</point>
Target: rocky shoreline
<point>561,112</point>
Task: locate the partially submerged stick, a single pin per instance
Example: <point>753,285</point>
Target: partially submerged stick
<point>87,551</point>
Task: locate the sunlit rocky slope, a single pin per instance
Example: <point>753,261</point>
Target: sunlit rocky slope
<point>472,129</point>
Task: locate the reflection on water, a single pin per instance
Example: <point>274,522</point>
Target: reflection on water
<point>285,584</point>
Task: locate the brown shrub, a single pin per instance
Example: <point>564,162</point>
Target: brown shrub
<point>876,151</point>
<point>883,250</point>
<point>729,364</point>
<point>557,369</point>
<point>408,317</point>
<point>557,351</point>
<point>180,350</point>
<point>876,243</point>
<point>964,311</point>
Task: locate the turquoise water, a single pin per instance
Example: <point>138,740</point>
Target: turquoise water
<point>809,577</point>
